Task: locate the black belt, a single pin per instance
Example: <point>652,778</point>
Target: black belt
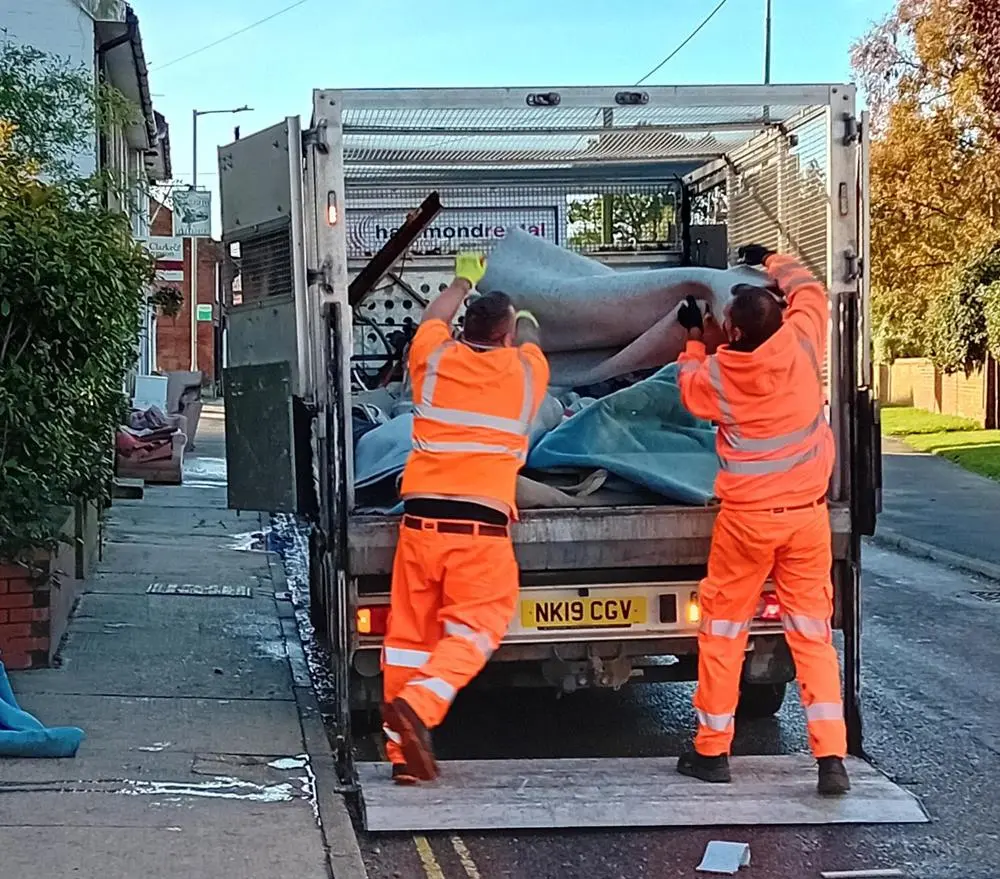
<point>444,526</point>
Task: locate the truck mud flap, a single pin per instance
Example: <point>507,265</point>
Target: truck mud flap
<point>637,792</point>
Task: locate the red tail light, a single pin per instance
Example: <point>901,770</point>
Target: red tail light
<point>768,608</point>
<point>372,619</point>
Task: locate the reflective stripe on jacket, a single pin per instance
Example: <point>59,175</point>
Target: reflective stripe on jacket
<point>774,443</point>
<point>472,414</point>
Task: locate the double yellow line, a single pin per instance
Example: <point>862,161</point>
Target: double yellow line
<point>430,862</point>
<point>426,854</point>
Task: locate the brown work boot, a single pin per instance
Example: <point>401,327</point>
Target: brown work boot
<point>416,738</point>
<point>401,774</point>
<point>711,769</point>
<point>833,780</point>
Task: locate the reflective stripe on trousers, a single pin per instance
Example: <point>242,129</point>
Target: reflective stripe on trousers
<point>725,628</point>
<point>402,657</point>
<point>808,627</point>
<point>438,686</point>
<point>717,722</point>
<point>824,711</point>
<point>480,640</point>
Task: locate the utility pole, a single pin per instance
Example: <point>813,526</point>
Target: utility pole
<point>194,240</point>
<point>767,56</point>
<point>767,43</point>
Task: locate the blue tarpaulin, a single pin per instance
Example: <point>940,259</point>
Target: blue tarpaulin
<point>641,433</point>
<point>21,735</point>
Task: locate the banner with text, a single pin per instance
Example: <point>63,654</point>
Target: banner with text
<point>454,229</point>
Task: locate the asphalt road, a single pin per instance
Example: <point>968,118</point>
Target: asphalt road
<point>932,711</point>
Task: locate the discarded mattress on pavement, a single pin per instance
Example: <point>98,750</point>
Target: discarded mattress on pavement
<point>21,735</point>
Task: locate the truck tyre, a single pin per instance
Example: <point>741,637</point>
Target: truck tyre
<point>760,700</point>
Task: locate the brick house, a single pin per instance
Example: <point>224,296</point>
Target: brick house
<point>102,38</point>
<point>173,334</point>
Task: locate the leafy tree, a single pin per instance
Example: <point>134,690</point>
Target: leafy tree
<point>636,219</point>
<point>965,317</point>
<point>935,179</point>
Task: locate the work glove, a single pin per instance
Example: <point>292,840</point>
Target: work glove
<point>470,266</point>
<point>689,315</point>
<point>753,254</point>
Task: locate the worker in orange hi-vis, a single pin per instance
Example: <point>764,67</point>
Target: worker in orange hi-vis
<point>764,389</point>
<point>454,579</point>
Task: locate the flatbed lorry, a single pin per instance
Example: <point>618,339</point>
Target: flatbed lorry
<point>339,234</point>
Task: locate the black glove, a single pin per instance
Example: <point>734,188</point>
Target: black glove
<point>689,315</point>
<point>753,254</point>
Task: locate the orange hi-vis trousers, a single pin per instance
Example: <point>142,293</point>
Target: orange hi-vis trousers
<point>453,597</point>
<point>747,546</point>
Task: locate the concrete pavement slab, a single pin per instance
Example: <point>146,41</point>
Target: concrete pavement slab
<point>223,673</point>
<point>103,836</point>
<point>194,726</point>
<point>177,560</point>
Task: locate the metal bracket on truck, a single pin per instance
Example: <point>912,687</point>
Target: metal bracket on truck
<point>714,166</point>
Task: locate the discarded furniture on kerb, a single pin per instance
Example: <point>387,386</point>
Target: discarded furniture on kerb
<point>184,399</point>
<point>150,445</point>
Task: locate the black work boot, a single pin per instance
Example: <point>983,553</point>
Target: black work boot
<point>833,780</point>
<point>713,769</point>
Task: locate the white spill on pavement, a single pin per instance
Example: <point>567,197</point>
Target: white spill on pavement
<point>220,788</point>
<point>207,470</point>
<point>289,763</point>
<point>156,747</point>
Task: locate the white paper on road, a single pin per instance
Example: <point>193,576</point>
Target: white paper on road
<point>724,857</point>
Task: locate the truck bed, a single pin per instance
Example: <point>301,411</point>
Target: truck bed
<point>595,537</point>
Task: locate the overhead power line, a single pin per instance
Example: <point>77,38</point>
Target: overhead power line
<point>235,33</point>
<point>687,40</point>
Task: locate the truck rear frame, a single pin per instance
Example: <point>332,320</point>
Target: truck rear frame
<point>790,162</point>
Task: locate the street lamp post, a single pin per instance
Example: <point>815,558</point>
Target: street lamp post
<point>194,239</point>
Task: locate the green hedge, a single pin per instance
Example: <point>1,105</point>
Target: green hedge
<point>73,284</point>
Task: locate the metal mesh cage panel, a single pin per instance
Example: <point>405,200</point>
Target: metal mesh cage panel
<point>588,218</point>
<point>400,141</point>
<point>778,193</point>
<point>259,266</point>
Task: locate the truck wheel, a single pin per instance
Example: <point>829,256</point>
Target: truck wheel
<point>760,700</point>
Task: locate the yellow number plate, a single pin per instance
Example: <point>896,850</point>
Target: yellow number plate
<point>582,613</point>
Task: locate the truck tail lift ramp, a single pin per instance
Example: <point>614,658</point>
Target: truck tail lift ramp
<point>332,261</point>
<point>633,792</point>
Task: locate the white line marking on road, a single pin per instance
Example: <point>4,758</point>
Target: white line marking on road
<point>430,863</point>
<point>465,856</point>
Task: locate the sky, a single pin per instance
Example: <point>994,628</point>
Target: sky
<point>273,68</point>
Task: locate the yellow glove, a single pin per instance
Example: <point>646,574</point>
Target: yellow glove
<point>470,266</point>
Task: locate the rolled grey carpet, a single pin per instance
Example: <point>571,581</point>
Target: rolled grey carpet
<point>607,322</point>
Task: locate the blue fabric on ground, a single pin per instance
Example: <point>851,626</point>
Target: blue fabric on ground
<point>643,434</point>
<point>21,735</point>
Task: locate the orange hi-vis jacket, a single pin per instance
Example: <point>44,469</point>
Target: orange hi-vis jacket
<point>774,443</point>
<point>472,414</point>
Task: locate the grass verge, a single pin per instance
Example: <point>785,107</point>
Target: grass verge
<point>960,440</point>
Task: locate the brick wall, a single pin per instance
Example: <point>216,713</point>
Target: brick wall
<point>24,618</point>
<point>173,334</point>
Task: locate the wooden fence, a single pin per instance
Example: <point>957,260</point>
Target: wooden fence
<point>915,381</point>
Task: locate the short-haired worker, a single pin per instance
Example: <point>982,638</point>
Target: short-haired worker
<point>455,580</point>
<point>764,389</point>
